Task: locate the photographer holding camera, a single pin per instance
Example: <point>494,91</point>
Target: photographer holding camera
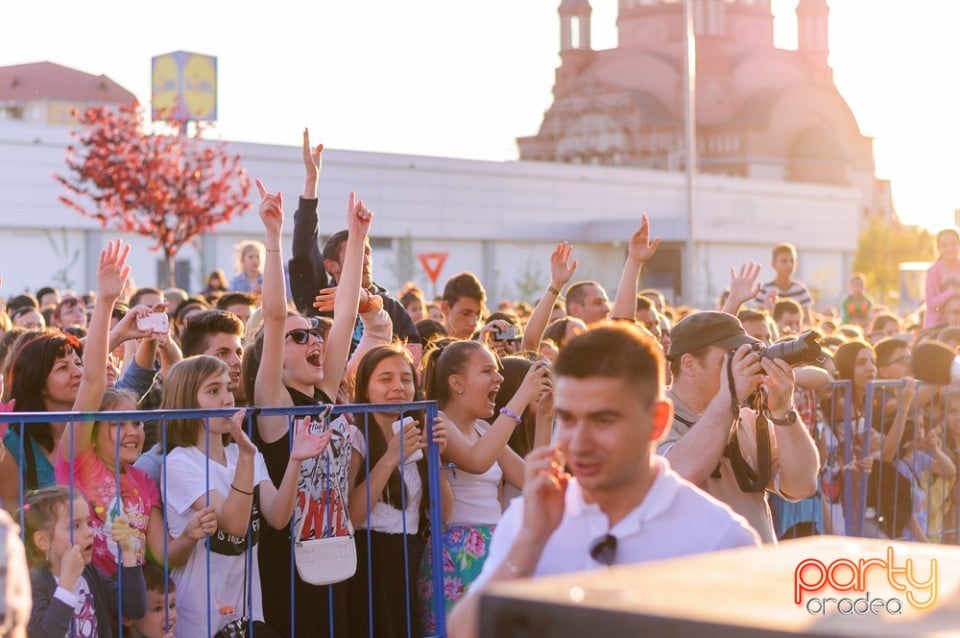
<point>735,431</point>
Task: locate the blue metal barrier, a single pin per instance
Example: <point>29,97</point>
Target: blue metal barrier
<point>429,408</point>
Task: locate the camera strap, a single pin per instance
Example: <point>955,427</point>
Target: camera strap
<point>748,479</point>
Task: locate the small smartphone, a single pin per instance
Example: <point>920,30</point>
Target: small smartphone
<point>154,322</point>
<point>399,426</point>
<point>506,335</point>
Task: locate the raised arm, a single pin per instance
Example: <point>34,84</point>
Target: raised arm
<point>561,271</point>
<point>346,303</point>
<point>743,287</point>
<point>307,274</point>
<point>111,276</point>
<point>639,251</point>
<point>269,388</point>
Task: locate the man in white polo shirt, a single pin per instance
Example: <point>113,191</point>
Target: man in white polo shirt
<point>622,504</point>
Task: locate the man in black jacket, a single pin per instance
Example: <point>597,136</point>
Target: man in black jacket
<point>312,270</point>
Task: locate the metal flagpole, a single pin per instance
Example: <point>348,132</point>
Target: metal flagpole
<point>689,260</point>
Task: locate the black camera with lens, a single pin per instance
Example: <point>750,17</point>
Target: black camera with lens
<point>800,351</point>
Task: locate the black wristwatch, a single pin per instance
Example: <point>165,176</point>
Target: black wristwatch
<point>790,418</point>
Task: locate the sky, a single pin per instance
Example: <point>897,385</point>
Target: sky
<point>464,78</point>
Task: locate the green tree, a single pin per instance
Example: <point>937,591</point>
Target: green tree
<point>883,246</point>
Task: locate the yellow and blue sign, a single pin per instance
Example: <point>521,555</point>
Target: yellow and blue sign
<point>184,87</point>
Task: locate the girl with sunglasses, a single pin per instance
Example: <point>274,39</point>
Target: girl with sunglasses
<point>291,365</point>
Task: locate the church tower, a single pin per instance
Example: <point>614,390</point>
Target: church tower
<point>812,35</point>
<point>574,41</point>
<point>575,25</point>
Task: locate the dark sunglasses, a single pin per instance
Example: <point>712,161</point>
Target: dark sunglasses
<point>604,549</point>
<point>301,336</point>
<point>69,302</point>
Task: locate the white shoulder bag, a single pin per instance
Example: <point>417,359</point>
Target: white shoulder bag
<point>324,561</point>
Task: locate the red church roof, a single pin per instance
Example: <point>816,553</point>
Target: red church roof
<point>46,80</point>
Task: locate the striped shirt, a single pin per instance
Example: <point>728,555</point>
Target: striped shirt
<point>797,291</point>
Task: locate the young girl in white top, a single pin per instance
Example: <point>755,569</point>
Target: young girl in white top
<point>464,378</point>
<point>392,468</point>
<point>201,471</point>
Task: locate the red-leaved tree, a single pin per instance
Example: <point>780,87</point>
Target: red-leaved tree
<point>167,187</point>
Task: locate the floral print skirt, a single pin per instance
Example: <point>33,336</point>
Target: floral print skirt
<point>464,552</point>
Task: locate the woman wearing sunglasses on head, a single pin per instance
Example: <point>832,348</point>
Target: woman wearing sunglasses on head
<point>291,365</point>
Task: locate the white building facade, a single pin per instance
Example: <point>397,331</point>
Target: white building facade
<point>500,220</point>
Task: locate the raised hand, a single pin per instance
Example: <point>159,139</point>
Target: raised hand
<point>744,285</point>
<point>113,270</point>
<point>544,403</point>
<point>201,524</point>
<point>535,383</point>
<point>271,209</point>
<point>641,249</point>
<point>126,329</point>
<point>359,216</point>
<point>307,443</point>
<point>544,492</point>
<point>312,158</point>
<point>561,268</point>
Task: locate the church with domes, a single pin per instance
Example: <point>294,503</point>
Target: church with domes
<point>761,112</point>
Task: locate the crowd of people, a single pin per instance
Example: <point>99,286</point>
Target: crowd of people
<point>574,432</point>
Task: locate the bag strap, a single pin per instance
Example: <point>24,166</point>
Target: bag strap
<point>336,484</point>
<point>245,558</point>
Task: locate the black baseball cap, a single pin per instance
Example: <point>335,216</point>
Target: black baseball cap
<point>707,328</point>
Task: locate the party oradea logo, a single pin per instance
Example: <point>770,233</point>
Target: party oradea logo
<point>843,586</point>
